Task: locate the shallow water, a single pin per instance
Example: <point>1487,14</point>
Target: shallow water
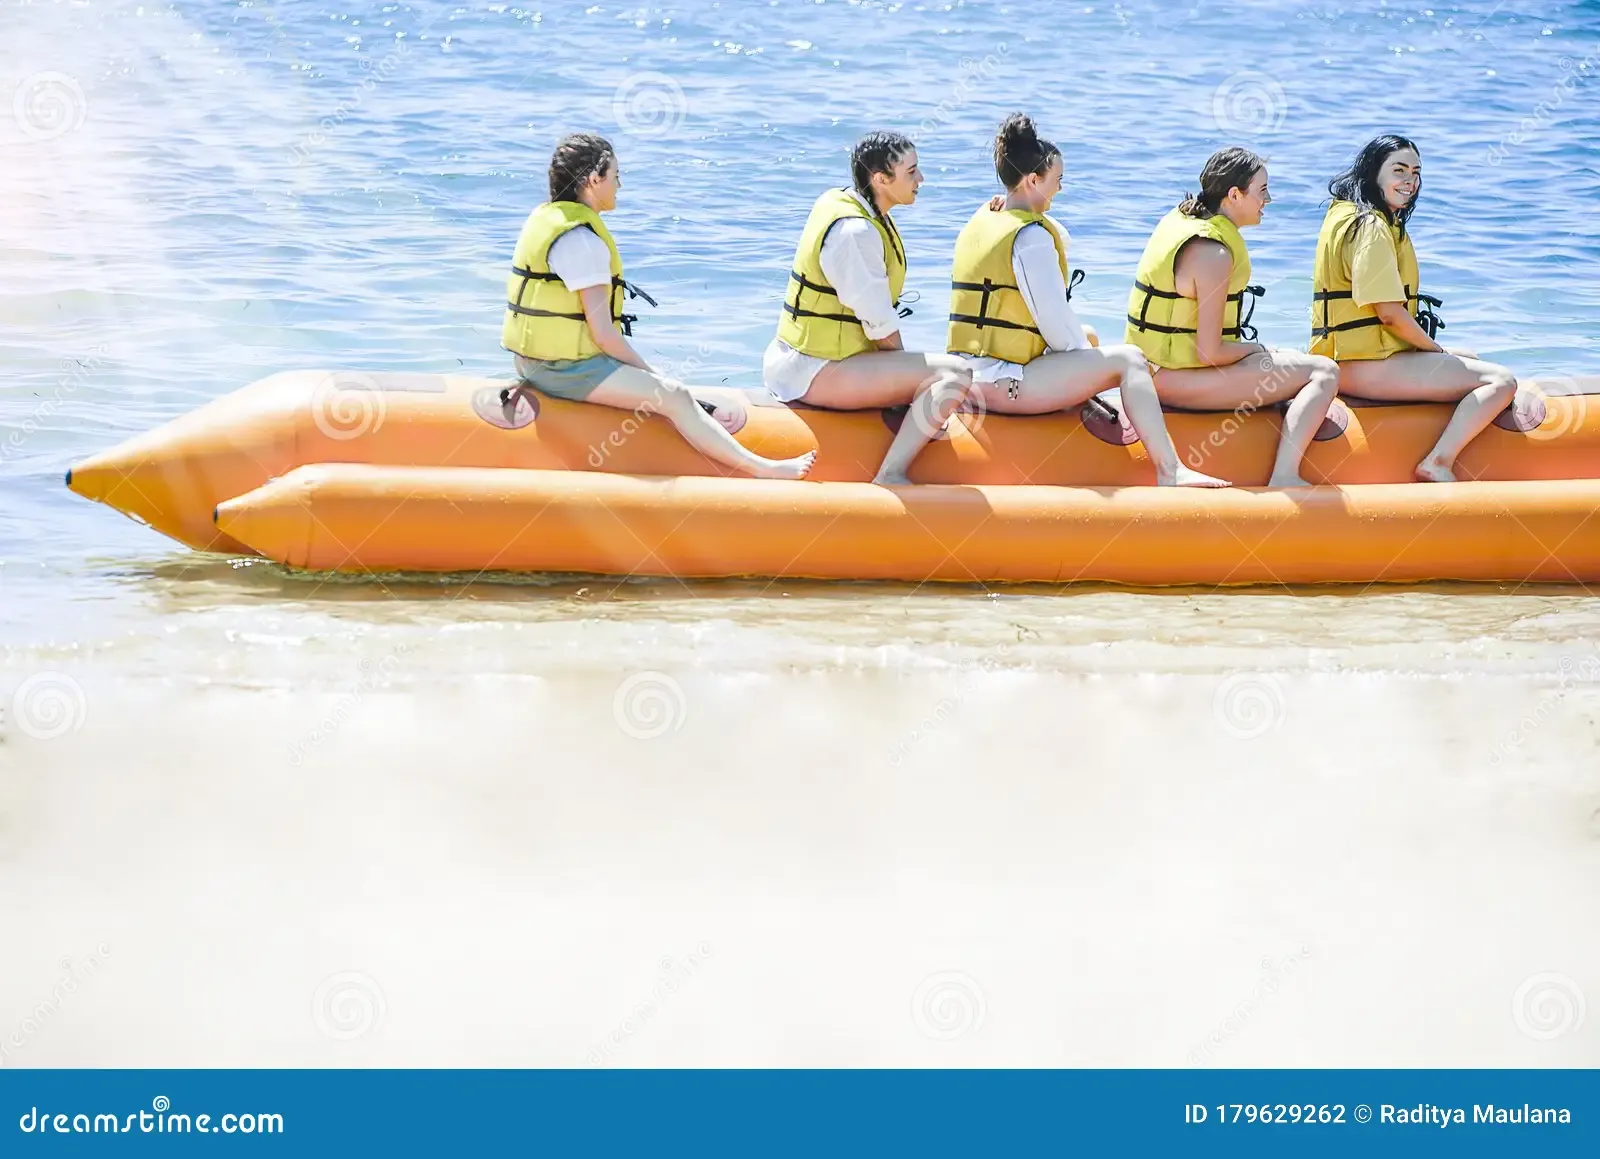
<point>916,825</point>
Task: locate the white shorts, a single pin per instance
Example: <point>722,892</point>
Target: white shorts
<point>787,373</point>
<point>986,369</point>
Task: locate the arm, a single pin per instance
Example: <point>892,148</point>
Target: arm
<point>1375,282</point>
<point>597,309</point>
<point>583,263</point>
<point>852,261</point>
<point>1205,266</point>
<point>1038,274</point>
<point>1398,321</point>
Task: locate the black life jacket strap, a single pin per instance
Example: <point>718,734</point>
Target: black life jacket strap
<point>987,288</point>
<point>1430,322</point>
<point>1244,329</point>
<point>624,321</point>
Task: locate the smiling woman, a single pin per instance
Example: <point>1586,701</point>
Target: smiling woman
<point>1365,289</point>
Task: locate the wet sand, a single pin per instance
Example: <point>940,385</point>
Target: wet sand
<point>975,867</point>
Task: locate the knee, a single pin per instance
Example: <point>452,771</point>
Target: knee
<point>950,387</point>
<point>672,399</point>
<point>1502,384</point>
<point>1324,374</point>
<point>1127,359</point>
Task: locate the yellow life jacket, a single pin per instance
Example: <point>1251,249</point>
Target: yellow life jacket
<point>544,319</point>
<point>814,321</point>
<point>1161,321</point>
<point>1341,329</point>
<point>988,314</point>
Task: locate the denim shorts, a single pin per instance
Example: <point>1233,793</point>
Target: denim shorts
<point>569,378</point>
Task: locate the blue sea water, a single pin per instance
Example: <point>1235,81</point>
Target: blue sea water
<point>199,194</point>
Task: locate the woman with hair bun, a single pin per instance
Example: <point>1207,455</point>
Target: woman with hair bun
<point>1010,317</point>
<point>564,322</point>
<point>838,344</point>
<point>1370,316</point>
<point>1186,312</point>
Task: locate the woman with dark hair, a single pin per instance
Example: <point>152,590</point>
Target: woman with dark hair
<point>1368,314</point>
<point>564,322</point>
<point>1186,312</point>
<point>1010,317</point>
<point>838,344</point>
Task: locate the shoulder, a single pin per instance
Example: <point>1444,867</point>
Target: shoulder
<point>1040,239</point>
<point>1206,254</point>
<point>579,239</point>
<point>850,230</point>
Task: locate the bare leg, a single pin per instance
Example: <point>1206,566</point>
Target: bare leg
<point>1309,381</point>
<point>1067,379</point>
<point>629,388</point>
<point>1483,390</point>
<point>934,385</point>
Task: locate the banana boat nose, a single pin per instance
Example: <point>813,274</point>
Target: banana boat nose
<point>172,477</point>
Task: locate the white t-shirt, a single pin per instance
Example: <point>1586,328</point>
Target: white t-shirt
<point>852,261</point>
<point>580,259</point>
<point>1038,274</point>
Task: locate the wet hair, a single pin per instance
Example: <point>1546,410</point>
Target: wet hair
<point>577,157</point>
<point>1019,151</point>
<point>876,153</point>
<point>1359,183</point>
<point>1226,169</point>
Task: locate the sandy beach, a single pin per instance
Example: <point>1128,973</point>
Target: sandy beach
<point>984,868</point>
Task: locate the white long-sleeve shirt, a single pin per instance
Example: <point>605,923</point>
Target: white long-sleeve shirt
<point>1038,274</point>
<point>852,261</point>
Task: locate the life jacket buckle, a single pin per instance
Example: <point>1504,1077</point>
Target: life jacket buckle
<point>1249,294</point>
<point>1430,322</point>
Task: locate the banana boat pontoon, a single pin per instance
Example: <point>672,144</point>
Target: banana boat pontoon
<point>381,472</point>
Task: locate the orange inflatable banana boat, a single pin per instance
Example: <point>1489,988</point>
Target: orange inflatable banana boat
<point>355,471</point>
<point>339,517</point>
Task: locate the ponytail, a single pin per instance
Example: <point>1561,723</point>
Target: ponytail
<point>1226,169</point>
<point>1019,151</point>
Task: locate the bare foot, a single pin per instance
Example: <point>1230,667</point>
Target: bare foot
<point>892,479</point>
<point>1287,481</point>
<point>1186,477</point>
<point>1431,470</point>
<point>795,468</point>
